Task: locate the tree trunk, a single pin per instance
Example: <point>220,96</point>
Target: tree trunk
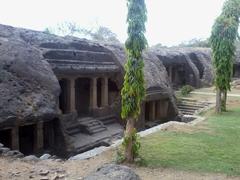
<point>224,101</point>
<point>218,101</point>
<point>129,156</point>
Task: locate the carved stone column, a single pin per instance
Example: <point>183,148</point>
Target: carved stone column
<point>152,113</point>
<point>104,91</point>
<point>158,110</point>
<point>93,93</point>
<point>38,138</point>
<point>15,138</point>
<point>72,103</point>
<point>170,74</point>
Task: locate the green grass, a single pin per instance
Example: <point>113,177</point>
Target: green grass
<point>216,150</point>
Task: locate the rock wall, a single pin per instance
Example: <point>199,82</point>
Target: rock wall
<point>28,88</point>
<point>193,65</point>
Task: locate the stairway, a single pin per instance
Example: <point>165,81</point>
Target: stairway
<point>187,106</point>
<point>91,125</point>
<point>106,120</point>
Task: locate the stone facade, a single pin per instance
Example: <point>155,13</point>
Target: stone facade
<point>60,91</point>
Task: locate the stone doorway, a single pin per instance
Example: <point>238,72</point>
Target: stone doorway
<point>82,91</point>
<point>64,96</point>
<point>26,139</point>
<point>5,138</point>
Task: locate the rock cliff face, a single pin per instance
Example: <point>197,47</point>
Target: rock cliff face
<point>191,66</point>
<point>28,88</point>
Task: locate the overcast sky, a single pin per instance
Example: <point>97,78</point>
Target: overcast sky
<point>169,21</point>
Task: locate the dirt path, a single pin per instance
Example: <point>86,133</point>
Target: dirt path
<point>76,170</point>
<point>213,94</point>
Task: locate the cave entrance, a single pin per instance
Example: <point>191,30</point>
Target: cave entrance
<point>49,136</point>
<point>5,138</point>
<point>64,95</point>
<point>113,92</point>
<point>26,139</point>
<point>236,71</point>
<point>82,91</point>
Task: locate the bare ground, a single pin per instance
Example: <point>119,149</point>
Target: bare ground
<point>76,170</point>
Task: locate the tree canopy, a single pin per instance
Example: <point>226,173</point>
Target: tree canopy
<point>223,39</point>
<point>101,33</point>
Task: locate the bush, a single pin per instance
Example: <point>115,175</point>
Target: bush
<point>185,90</point>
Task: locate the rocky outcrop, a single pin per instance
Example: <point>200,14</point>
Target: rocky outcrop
<point>29,89</point>
<point>190,66</point>
<point>113,172</point>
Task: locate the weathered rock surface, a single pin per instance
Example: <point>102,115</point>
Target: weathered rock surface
<point>195,62</point>
<point>45,157</point>
<point>14,154</point>
<point>28,88</point>
<point>30,158</point>
<point>157,83</point>
<point>113,172</point>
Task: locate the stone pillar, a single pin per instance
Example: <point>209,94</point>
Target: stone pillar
<point>170,73</point>
<point>158,110</point>
<point>15,138</point>
<point>152,112</point>
<point>164,108</point>
<point>140,124</point>
<point>38,138</point>
<point>93,93</point>
<point>72,98</point>
<point>104,91</point>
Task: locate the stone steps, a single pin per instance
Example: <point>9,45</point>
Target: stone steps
<point>106,120</point>
<point>91,125</point>
<point>73,130</point>
<point>187,106</point>
<point>88,125</point>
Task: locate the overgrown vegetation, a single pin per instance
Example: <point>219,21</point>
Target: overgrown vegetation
<point>211,147</point>
<point>101,33</point>
<point>186,90</point>
<point>223,39</point>
<point>204,43</point>
<point>133,91</point>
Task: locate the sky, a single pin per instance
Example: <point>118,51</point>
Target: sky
<point>170,22</point>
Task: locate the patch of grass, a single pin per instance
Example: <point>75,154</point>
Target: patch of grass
<point>217,151</point>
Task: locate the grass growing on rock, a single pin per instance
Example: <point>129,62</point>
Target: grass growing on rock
<point>216,150</point>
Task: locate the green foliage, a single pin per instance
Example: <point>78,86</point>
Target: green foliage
<point>133,91</point>
<point>223,44</point>
<point>196,43</point>
<point>67,28</point>
<point>134,137</point>
<point>119,156</point>
<point>185,90</point>
<point>223,37</point>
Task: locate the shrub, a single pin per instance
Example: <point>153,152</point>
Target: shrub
<point>185,90</point>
